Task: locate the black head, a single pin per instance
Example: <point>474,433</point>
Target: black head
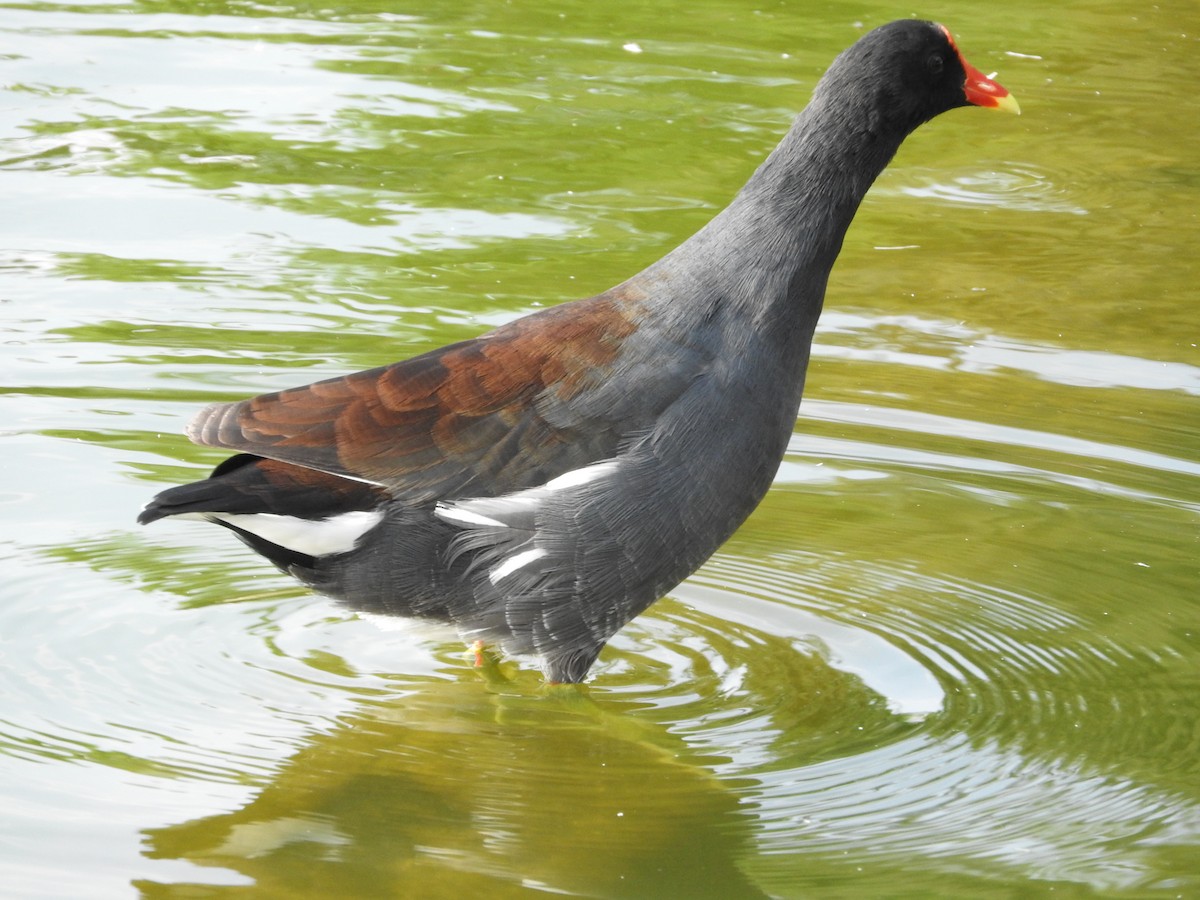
<point>905,73</point>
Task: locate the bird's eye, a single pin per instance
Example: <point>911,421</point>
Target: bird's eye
<point>935,64</point>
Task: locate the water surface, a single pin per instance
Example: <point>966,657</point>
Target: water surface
<point>953,653</point>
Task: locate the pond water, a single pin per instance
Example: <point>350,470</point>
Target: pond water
<point>955,652</point>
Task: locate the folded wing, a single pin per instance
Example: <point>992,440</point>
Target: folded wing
<point>503,412</point>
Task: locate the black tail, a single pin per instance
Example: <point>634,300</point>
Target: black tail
<point>249,484</point>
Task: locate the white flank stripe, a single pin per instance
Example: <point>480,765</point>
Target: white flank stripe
<point>513,563</point>
<point>577,477</point>
<point>314,537</point>
<point>465,516</point>
<point>491,512</point>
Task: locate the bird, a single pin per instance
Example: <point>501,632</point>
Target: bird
<point>542,484</point>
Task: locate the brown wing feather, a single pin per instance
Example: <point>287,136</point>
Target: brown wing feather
<point>460,419</point>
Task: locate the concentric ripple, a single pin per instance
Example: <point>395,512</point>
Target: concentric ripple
<point>945,731</point>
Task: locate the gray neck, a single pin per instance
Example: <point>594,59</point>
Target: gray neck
<point>762,263</point>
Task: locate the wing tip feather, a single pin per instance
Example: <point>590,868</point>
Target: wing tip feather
<point>207,427</point>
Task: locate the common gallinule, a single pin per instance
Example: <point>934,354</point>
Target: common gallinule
<point>544,483</point>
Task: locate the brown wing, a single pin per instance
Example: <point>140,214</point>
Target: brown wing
<point>470,419</point>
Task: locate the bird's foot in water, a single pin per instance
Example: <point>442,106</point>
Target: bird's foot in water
<point>489,663</point>
<point>478,651</point>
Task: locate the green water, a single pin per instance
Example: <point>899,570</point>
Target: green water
<point>954,653</point>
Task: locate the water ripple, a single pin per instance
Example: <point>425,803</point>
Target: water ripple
<point>929,423</point>
<point>930,343</point>
<point>954,764</point>
<point>1014,187</point>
